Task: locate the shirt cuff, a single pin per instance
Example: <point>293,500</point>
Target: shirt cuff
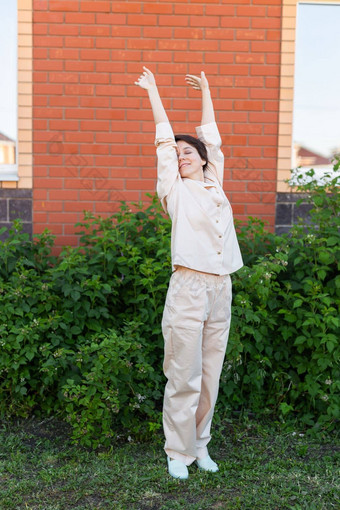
<point>208,133</point>
<point>163,133</point>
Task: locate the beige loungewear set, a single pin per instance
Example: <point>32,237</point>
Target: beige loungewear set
<point>196,318</point>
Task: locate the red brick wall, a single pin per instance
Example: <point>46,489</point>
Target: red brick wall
<point>93,128</point>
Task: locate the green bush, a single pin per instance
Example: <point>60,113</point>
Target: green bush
<point>81,335</point>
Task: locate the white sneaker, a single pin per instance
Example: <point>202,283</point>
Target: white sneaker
<point>207,464</point>
<point>177,469</point>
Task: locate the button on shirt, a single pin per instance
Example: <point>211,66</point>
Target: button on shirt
<point>203,235</point>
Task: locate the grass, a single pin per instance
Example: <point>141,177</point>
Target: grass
<point>260,468</point>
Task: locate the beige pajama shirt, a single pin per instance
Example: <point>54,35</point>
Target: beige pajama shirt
<point>196,318</point>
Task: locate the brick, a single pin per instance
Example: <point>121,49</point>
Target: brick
<point>224,116</point>
<point>95,54</point>
<point>63,101</point>
<point>219,34</point>
<point>262,140</point>
<point>110,42</point>
<point>142,44</point>
<point>272,82</point>
<point>95,102</point>
<point>159,32</point>
<point>110,90</point>
<point>102,173</point>
<point>246,198</point>
<point>80,18</point>
<point>224,58</point>
<point>40,53</point>
<point>63,77</point>
<point>79,90</point>
<point>61,125</point>
<point>63,195</point>
<point>96,78</point>
<point>251,11</point>
<point>251,35</point>
<point>56,206</point>
<point>265,163</point>
<point>145,184</point>
<point>264,93</point>
<point>95,6</point>
<point>94,195</point>
<point>48,113</point>
<point>47,183</point>
<point>79,42</point>
<point>63,29</point>
<point>131,173</point>
<point>78,113</point>
<point>274,11</point>
<point>219,10</point>
<point>48,41</point>
<point>158,56</point>
<point>97,31</point>
<point>144,19</point>
<point>273,58</point>
<point>261,209</point>
<point>204,21</point>
<point>64,54</point>
<point>127,7</point>
<point>125,102</point>
<point>234,93</point>
<point>247,129</point>
<point>110,114</point>
<point>187,57</point>
<point>264,70</point>
<point>45,88</point>
<point>63,5</point>
<point>249,58</point>
<point>47,65</point>
<point>234,69</point>
<point>79,137</point>
<point>266,46</point>
<point>235,22</point>
<point>173,21</point>
<point>273,35</point>
<point>266,23</point>
<point>247,175</point>
<point>189,9</point>
<point>95,125</point>
<point>177,45</point>
<point>172,69</point>
<point>48,17</point>
<point>111,160</point>
<point>239,152</point>
<point>267,2</point>
<point>234,46</point>
<point>40,29</point>
<point>158,8</point>
<point>272,106</point>
<point>263,117</point>
<point>241,81</point>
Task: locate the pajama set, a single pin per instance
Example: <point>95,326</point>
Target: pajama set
<point>196,317</point>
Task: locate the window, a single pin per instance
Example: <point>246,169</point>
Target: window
<point>316,106</point>
<point>8,90</point>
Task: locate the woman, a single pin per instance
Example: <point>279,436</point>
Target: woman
<point>204,252</point>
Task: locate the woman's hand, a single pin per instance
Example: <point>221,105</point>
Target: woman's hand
<point>146,80</point>
<point>196,82</point>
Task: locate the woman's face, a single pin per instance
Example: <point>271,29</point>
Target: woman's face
<point>190,164</point>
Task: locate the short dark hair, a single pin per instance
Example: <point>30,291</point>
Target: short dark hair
<point>199,146</point>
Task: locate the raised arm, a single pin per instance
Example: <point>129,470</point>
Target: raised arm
<point>202,84</point>
<point>147,81</point>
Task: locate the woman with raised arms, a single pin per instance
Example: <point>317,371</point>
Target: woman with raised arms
<point>204,252</point>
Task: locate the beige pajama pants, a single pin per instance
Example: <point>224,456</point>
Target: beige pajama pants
<point>195,327</point>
